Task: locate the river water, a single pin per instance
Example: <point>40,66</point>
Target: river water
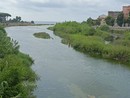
<point>66,73</point>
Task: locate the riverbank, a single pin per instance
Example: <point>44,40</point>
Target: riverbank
<point>100,42</point>
<point>17,79</point>
<point>9,24</point>
<point>21,24</point>
<point>66,73</point>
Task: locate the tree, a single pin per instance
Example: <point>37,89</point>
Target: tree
<point>32,22</point>
<point>91,32</point>
<point>128,19</point>
<point>110,21</point>
<point>18,18</point>
<point>98,22</point>
<point>90,21</point>
<point>104,28</point>
<point>4,17</point>
<point>120,19</point>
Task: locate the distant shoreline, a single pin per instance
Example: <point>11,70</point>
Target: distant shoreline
<point>45,22</point>
<point>22,24</point>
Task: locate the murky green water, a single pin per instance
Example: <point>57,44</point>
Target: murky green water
<point>66,73</point>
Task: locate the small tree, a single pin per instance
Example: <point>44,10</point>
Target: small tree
<point>32,22</point>
<point>120,19</point>
<point>110,21</point>
<point>128,19</point>
<point>98,22</point>
<point>91,32</point>
<point>90,21</point>
<point>104,28</point>
<point>18,18</point>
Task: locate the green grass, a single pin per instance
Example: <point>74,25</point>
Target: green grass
<point>42,35</point>
<point>83,38</point>
<point>15,69</point>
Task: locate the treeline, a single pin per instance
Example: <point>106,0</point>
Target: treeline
<point>16,76</point>
<point>17,19</point>
<point>100,41</point>
<point>111,21</point>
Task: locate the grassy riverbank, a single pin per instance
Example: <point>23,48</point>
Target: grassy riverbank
<point>42,35</point>
<point>101,42</point>
<point>17,79</point>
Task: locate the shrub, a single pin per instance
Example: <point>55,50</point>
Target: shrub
<point>91,32</point>
<point>104,28</point>
<point>14,69</point>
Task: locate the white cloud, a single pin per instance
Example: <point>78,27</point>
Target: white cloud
<point>60,9</point>
<point>13,1</point>
<point>40,1</point>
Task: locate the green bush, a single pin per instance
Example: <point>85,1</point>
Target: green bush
<point>14,69</point>
<point>104,28</point>
<point>127,35</point>
<point>122,42</point>
<point>90,32</point>
<point>74,33</point>
<point>109,38</point>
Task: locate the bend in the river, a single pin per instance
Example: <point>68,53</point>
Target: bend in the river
<point>66,73</point>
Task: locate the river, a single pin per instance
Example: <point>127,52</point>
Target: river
<point>66,73</point>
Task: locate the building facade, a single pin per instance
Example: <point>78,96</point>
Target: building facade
<point>126,11</point>
<point>114,14</point>
<point>102,19</point>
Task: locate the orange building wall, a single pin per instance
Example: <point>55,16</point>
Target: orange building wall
<point>126,10</point>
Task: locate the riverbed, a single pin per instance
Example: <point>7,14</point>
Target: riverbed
<point>66,73</point>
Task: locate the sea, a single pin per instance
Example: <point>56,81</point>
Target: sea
<point>46,22</point>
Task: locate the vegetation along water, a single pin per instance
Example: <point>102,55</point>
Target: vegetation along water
<point>42,35</point>
<point>17,79</point>
<point>96,41</point>
<point>66,73</point>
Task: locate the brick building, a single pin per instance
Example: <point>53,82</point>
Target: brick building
<point>114,14</point>
<point>126,11</point>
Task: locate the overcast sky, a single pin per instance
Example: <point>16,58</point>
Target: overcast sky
<point>60,10</point>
